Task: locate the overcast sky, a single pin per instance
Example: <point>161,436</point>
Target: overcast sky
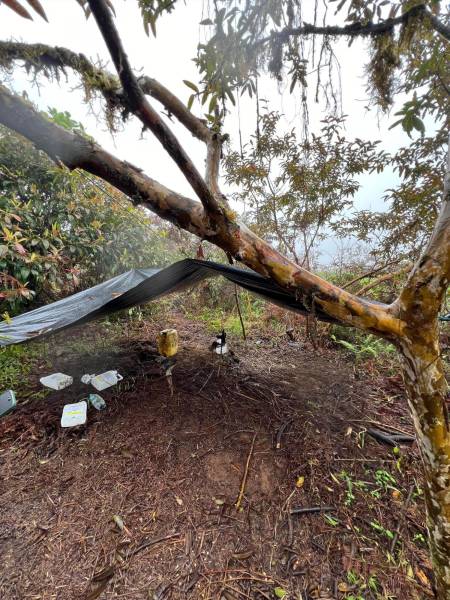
<point>168,58</point>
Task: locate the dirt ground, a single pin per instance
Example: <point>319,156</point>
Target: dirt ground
<point>141,502</point>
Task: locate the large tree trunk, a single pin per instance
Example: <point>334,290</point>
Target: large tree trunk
<point>418,307</point>
<point>424,377</point>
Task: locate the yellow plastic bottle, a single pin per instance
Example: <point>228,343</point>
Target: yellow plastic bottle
<point>168,342</point>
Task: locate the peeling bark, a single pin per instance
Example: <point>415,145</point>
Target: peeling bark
<point>418,307</point>
<point>426,386</point>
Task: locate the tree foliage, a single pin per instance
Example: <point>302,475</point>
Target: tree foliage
<point>62,230</point>
<point>408,55</point>
<point>293,190</point>
<point>403,228</point>
<point>406,49</point>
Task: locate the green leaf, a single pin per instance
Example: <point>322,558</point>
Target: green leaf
<point>24,273</point>
<point>279,592</point>
<point>418,124</point>
<point>191,85</point>
<point>395,124</point>
<point>212,103</point>
<point>230,95</point>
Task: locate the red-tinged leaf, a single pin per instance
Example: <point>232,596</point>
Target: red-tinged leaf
<point>19,248</point>
<point>38,8</point>
<point>18,8</point>
<point>16,217</point>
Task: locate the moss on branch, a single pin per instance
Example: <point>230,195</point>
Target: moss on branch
<point>53,62</point>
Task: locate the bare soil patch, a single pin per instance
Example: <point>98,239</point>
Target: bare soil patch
<point>140,503</point>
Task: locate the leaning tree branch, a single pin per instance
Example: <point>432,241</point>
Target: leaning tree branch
<point>311,291</point>
<point>383,278</point>
<point>144,111</point>
<point>370,273</point>
<point>54,60</point>
<point>361,29</point>
<point>75,151</point>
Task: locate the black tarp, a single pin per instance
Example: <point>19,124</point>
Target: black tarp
<point>134,287</point>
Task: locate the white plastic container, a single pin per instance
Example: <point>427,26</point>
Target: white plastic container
<point>56,381</point>
<point>74,414</point>
<point>222,348</point>
<point>106,380</point>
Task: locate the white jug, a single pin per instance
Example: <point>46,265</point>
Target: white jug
<point>106,380</point>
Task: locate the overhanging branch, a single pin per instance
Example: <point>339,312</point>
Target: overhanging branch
<point>362,29</point>
<point>53,61</point>
<point>75,151</point>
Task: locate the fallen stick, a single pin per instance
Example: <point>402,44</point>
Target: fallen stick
<point>244,478</point>
<point>311,509</point>
<point>390,439</point>
<point>280,432</point>
<point>152,542</point>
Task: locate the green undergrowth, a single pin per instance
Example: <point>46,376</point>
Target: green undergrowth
<point>17,364</point>
<point>360,345</point>
<point>216,318</point>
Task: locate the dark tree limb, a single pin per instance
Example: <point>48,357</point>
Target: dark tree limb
<point>362,29</point>
<point>140,107</point>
